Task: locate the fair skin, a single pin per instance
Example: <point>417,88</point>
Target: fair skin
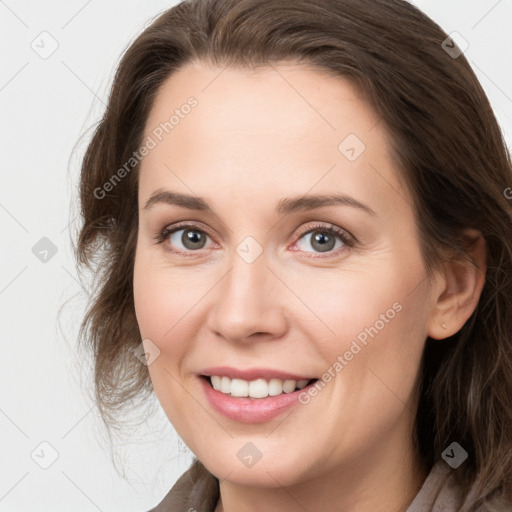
<point>254,138</point>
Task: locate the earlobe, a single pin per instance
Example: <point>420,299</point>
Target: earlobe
<point>459,290</point>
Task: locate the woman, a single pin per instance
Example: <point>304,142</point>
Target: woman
<point>299,217</point>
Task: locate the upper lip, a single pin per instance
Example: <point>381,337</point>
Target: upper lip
<point>250,374</point>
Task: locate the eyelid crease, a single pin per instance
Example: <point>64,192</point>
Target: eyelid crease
<point>329,228</point>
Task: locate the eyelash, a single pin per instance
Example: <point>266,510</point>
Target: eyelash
<point>348,241</point>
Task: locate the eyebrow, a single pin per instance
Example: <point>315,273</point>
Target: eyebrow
<point>284,206</point>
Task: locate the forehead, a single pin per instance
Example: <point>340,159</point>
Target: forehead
<point>283,127</point>
<point>304,101</point>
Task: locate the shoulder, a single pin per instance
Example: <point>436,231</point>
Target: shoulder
<point>440,493</point>
<point>197,490</point>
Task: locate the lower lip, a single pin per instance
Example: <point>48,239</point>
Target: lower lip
<point>250,410</point>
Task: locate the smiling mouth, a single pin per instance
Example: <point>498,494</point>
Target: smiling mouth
<point>258,388</point>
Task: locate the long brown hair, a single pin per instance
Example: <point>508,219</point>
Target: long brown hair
<point>448,147</point>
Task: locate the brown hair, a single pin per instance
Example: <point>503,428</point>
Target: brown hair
<point>450,151</point>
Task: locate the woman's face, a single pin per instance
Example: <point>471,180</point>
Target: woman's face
<point>250,175</point>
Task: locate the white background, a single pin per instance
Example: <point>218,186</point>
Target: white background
<point>48,107</point>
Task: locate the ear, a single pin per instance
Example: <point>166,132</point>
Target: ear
<point>458,289</point>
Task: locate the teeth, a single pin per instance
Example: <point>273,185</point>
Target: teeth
<point>258,388</point>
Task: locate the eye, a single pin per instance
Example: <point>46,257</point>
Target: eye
<point>324,239</point>
<point>185,238</point>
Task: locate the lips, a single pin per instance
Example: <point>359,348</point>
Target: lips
<point>250,410</point>
<point>254,374</point>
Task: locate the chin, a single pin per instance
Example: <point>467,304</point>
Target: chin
<point>272,471</point>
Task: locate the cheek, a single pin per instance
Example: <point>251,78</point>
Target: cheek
<point>164,297</point>
<point>339,307</point>
<point>368,325</point>
<point>162,306</point>
<point>167,304</point>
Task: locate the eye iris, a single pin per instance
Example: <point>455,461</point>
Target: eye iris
<point>325,240</point>
<point>193,239</point>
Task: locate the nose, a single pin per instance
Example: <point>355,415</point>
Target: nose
<point>249,303</point>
